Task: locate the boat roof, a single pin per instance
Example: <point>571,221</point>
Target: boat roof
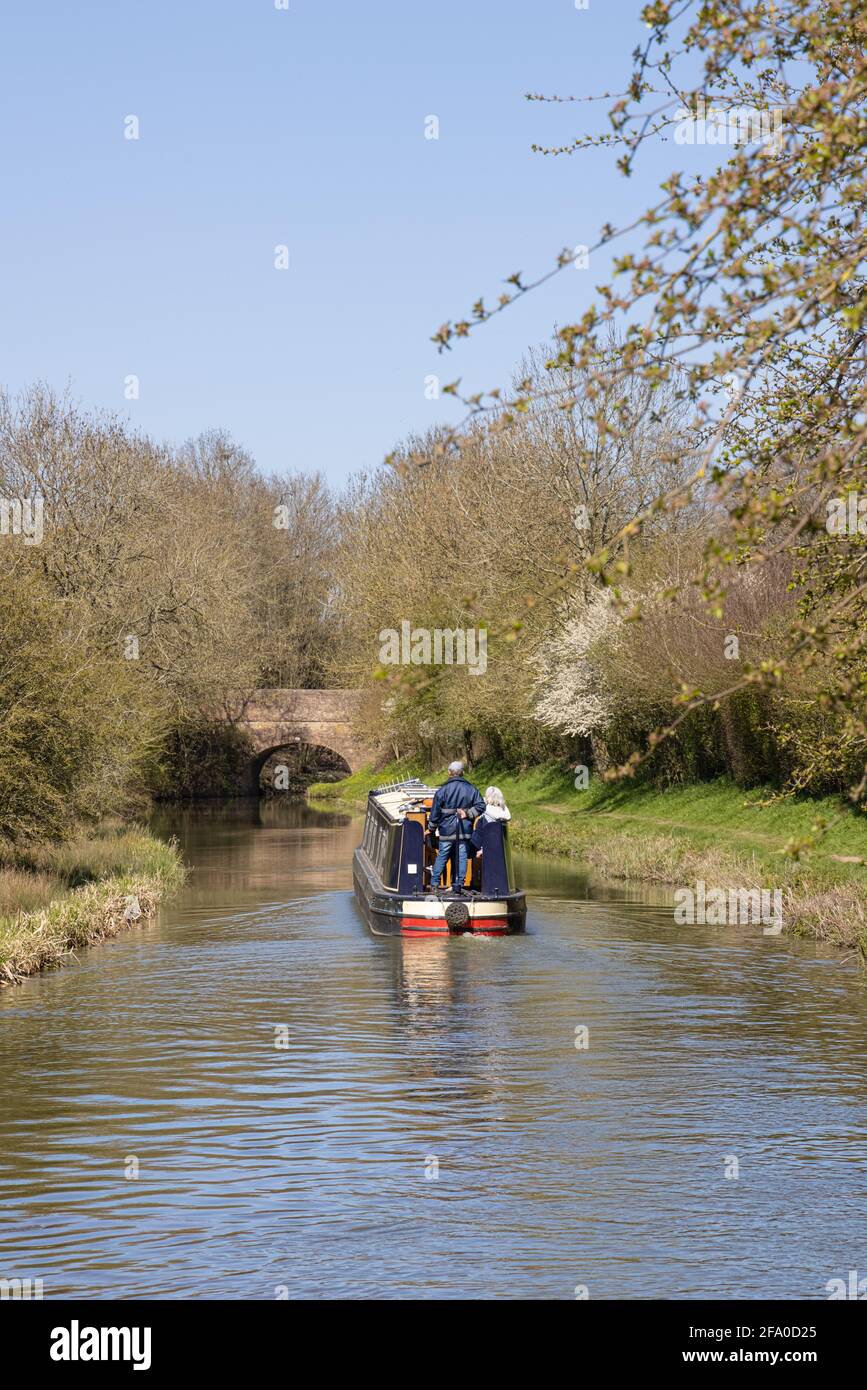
<point>395,796</point>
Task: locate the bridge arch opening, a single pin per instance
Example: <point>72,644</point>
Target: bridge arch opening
<point>291,766</point>
<point>273,719</point>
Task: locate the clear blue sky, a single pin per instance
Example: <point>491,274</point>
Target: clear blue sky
<point>259,127</point>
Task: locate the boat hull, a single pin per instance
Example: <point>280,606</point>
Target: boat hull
<point>389,913</point>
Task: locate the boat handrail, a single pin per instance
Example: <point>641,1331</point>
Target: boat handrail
<point>408,784</point>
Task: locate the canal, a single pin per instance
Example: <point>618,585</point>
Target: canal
<point>252,1097</point>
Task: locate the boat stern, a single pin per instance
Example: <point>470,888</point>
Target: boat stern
<point>462,914</point>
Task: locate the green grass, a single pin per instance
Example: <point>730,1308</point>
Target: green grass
<point>714,831</point>
<point>356,786</point>
<point>55,899</point>
<point>711,815</point>
<point>705,812</point>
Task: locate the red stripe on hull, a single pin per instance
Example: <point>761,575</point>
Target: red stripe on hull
<point>421,926</point>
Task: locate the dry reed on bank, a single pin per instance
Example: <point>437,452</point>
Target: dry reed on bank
<point>33,938</point>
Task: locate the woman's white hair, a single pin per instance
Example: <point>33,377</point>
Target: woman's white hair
<point>494,797</point>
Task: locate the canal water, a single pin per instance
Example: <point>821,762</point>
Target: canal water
<point>252,1097</point>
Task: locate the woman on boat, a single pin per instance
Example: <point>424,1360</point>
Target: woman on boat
<point>495,805</point>
<point>495,809</point>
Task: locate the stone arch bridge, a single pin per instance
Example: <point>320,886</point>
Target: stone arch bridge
<point>275,719</point>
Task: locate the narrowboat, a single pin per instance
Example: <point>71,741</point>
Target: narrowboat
<point>392,871</point>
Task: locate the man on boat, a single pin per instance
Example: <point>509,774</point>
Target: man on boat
<point>455,805</point>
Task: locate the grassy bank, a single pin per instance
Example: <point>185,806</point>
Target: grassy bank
<point>815,851</point>
<point>56,899</point>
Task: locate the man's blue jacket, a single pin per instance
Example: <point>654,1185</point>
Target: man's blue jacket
<point>455,794</point>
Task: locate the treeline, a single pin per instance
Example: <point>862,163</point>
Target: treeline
<point>601,636</point>
<point>138,584</point>
<point>163,579</point>
<point>722,626</point>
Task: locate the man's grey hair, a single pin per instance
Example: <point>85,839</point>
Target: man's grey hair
<point>456,768</point>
